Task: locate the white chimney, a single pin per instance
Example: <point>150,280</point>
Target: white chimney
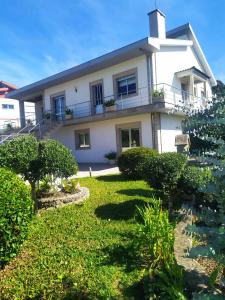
<point>157,24</point>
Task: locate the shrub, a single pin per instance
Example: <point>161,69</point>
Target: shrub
<point>132,161</point>
<point>56,159</point>
<point>34,160</point>
<point>194,181</point>
<point>163,173</point>
<point>16,208</point>
<point>70,186</point>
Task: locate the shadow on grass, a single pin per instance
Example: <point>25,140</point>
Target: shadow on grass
<point>119,211</point>
<point>138,193</point>
<point>112,178</point>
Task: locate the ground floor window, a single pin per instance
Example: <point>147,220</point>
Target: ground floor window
<point>82,139</point>
<point>128,136</point>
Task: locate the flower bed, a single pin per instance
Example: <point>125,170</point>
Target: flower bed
<point>60,200</point>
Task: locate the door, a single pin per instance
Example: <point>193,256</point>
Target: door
<point>59,106</point>
<point>129,138</point>
<point>97,97</point>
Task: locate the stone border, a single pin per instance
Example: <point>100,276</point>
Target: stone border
<point>77,198</point>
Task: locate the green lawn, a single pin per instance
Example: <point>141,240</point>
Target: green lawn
<point>81,252</point>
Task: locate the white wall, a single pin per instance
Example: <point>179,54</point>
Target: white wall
<point>9,115</point>
<point>13,115</point>
<point>82,83</point>
<point>102,136</point>
<point>174,59</point>
<point>170,127</point>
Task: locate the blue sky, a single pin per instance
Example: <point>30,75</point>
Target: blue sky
<point>39,38</point>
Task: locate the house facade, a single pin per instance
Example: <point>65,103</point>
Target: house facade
<point>126,98</point>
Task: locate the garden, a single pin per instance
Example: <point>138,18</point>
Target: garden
<point>122,242</point>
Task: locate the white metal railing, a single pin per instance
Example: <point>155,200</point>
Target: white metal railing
<point>85,109</point>
<point>178,97</point>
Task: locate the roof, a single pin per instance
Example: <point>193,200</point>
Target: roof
<point>117,56</point>
<point>10,85</point>
<point>195,71</point>
<point>127,52</point>
<point>187,29</point>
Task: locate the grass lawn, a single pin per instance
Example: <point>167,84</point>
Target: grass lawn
<point>81,252</point>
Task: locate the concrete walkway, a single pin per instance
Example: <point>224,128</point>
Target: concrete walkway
<point>96,170</point>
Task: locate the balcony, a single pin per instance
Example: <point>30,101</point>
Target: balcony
<point>173,97</point>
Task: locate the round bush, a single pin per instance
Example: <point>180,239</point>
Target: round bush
<point>164,171</point>
<point>16,209</point>
<point>194,181</point>
<point>132,161</point>
<point>56,159</point>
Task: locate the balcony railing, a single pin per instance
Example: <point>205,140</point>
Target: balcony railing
<point>173,96</point>
<point>85,109</point>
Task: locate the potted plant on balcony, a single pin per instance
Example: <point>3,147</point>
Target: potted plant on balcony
<point>68,113</point>
<point>158,95</point>
<point>110,105</point>
<point>111,156</point>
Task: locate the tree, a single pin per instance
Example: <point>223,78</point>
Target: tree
<point>208,126</point>
<point>34,159</point>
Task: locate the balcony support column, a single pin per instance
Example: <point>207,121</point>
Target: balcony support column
<point>191,87</point>
<point>22,114</point>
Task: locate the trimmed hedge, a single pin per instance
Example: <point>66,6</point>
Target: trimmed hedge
<point>164,171</point>
<point>132,161</point>
<point>16,210</point>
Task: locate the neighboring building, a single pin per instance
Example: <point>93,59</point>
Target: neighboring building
<point>9,108</point>
<point>147,79</point>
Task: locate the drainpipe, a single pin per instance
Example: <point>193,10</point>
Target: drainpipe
<point>149,76</point>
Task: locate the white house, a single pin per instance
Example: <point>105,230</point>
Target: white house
<point>146,79</point>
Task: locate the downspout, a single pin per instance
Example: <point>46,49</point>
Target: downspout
<point>149,76</point>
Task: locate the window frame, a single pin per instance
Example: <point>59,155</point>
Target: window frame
<point>77,133</point>
<point>119,76</point>
<point>133,125</point>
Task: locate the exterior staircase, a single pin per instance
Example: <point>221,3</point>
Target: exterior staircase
<point>42,130</point>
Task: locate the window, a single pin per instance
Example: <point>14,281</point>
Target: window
<point>82,139</point>
<point>7,106</point>
<point>130,138</point>
<point>125,84</point>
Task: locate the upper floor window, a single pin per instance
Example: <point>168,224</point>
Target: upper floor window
<point>125,84</point>
<point>7,106</point>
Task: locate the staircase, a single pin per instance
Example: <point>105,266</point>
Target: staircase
<point>42,130</point>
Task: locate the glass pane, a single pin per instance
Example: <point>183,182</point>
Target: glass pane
<point>87,140</point>
<point>81,140</point>
<point>97,94</point>
<point>135,137</point>
<point>132,88</point>
<point>125,138</point>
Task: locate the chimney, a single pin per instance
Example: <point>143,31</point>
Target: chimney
<point>157,24</point>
